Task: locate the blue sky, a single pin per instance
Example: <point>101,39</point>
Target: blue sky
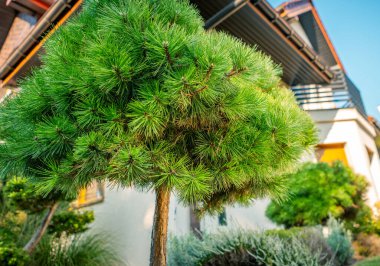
<point>354,28</point>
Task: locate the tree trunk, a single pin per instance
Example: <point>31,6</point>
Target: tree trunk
<point>38,234</point>
<point>160,228</point>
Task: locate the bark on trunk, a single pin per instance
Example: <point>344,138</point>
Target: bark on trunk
<point>160,228</point>
<point>38,234</point>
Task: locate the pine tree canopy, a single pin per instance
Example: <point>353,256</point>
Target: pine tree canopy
<point>137,93</point>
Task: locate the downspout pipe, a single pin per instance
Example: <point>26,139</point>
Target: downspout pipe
<point>42,25</point>
<point>225,13</point>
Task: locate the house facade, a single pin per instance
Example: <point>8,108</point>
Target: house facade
<point>346,132</point>
<point>292,34</point>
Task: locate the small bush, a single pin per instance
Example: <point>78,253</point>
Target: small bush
<point>339,239</point>
<point>83,250</point>
<point>70,222</point>
<point>10,255</point>
<point>319,190</point>
<point>241,248</point>
<point>184,250</point>
<point>285,233</point>
<point>312,237</point>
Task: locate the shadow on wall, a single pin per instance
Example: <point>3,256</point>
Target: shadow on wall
<point>127,216</point>
<point>252,217</point>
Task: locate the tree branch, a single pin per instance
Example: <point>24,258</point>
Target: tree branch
<point>209,71</point>
<point>40,231</point>
<point>235,72</point>
<point>168,56</point>
<point>196,91</point>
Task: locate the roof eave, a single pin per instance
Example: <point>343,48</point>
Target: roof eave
<point>308,5</point>
<point>257,23</point>
<point>56,15</point>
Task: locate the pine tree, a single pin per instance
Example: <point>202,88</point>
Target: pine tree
<point>137,93</point>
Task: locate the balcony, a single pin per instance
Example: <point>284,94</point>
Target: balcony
<point>340,93</point>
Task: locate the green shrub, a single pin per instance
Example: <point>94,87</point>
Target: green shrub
<point>78,250</point>
<point>21,194</point>
<point>339,239</point>
<point>70,222</point>
<point>319,190</point>
<point>23,212</point>
<point>242,247</point>
<point>11,255</point>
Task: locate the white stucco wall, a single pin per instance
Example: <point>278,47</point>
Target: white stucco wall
<point>126,215</point>
<point>349,127</point>
<point>251,217</point>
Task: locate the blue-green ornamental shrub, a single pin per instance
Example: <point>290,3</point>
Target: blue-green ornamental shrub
<point>243,247</point>
<point>312,237</point>
<point>339,239</point>
<point>306,246</point>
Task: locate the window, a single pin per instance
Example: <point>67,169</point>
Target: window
<point>329,153</point>
<point>94,193</point>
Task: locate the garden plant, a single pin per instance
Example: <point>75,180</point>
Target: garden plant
<point>137,93</point>
<point>279,247</point>
<point>319,190</point>
<point>27,218</point>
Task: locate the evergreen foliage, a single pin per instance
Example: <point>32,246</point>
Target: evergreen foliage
<point>11,255</point>
<point>21,195</point>
<point>137,93</point>
<point>243,247</point>
<point>70,222</point>
<point>22,213</point>
<point>319,190</point>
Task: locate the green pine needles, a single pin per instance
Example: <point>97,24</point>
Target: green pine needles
<point>137,93</point>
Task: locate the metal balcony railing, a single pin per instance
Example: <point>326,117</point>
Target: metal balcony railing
<point>341,93</point>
